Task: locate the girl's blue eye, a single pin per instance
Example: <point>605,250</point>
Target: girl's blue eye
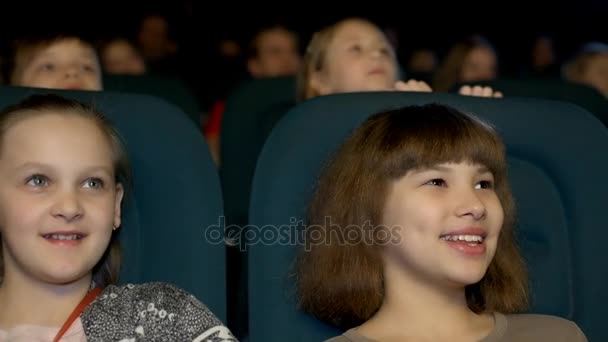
<point>37,181</point>
<point>94,183</point>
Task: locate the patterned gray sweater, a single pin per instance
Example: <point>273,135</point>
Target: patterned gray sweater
<point>151,312</point>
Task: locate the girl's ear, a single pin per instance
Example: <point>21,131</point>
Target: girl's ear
<point>117,204</point>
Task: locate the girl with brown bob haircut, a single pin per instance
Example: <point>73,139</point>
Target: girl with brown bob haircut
<point>434,257</point>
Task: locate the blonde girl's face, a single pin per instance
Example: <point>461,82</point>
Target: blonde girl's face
<point>59,200</point>
<point>359,58</point>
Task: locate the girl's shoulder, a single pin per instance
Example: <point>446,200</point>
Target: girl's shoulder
<point>535,327</point>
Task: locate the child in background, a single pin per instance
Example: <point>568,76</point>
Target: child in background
<point>120,57</point>
<point>471,60</point>
<point>56,62</point>
<point>351,55</point>
<point>273,52</point>
<point>590,67</point>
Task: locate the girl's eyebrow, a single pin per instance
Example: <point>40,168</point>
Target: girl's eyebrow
<point>89,169</point>
<point>32,165</point>
<point>483,169</point>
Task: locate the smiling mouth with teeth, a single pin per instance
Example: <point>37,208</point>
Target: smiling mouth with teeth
<point>471,239</point>
<point>63,236</point>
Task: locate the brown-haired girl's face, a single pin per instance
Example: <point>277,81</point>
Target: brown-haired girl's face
<point>358,58</point>
<point>58,197</point>
<point>448,219</point>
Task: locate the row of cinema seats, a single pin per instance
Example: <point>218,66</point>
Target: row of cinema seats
<point>556,159</point>
<point>256,106</point>
<point>169,88</point>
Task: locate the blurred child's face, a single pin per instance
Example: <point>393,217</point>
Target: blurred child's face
<point>542,52</point>
<point>596,73</point>
<point>120,58</point>
<point>58,198</point>
<point>358,58</point>
<point>422,61</point>
<point>479,65</point>
<point>154,37</point>
<point>277,55</point>
<point>64,64</point>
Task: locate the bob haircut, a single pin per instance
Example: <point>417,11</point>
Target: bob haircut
<point>342,283</point>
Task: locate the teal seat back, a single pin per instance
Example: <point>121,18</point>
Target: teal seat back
<point>554,89</point>
<point>560,207</point>
<point>251,112</point>
<point>175,200</point>
<point>168,88</point>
